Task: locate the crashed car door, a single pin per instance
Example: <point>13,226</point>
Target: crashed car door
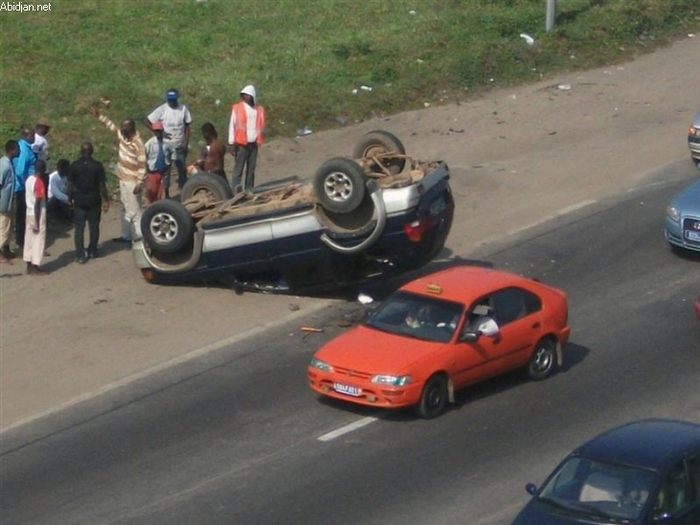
<point>240,244</point>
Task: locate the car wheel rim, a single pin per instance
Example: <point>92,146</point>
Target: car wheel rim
<point>338,187</point>
<point>434,398</point>
<point>373,150</point>
<point>543,360</point>
<point>205,193</point>
<point>164,227</point>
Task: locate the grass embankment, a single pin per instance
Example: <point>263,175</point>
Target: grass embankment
<point>305,56</point>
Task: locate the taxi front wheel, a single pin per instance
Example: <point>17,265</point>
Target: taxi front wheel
<point>434,397</point>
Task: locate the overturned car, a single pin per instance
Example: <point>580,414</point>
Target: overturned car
<point>379,213</point>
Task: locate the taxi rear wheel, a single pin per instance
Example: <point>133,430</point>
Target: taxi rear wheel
<point>543,360</point>
<point>434,397</point>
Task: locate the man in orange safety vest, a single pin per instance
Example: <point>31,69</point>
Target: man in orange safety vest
<point>245,135</point>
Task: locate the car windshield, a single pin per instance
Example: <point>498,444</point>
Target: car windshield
<point>416,315</point>
<point>590,488</point>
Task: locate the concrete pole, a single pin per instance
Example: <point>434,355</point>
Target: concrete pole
<point>551,15</point>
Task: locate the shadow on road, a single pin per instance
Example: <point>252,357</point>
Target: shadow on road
<point>574,354</point>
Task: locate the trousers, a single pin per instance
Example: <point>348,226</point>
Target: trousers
<point>91,215</point>
<point>132,207</point>
<point>246,156</point>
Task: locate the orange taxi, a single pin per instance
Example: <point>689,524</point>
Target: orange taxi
<point>697,306</point>
<point>440,333</point>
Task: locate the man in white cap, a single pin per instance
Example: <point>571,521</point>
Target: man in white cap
<point>245,135</point>
<point>176,119</point>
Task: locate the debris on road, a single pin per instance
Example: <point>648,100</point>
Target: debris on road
<point>311,329</point>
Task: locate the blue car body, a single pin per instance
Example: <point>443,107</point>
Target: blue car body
<point>302,248</point>
<point>682,223</point>
<point>664,453</point>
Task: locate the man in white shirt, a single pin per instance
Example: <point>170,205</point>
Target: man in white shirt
<point>59,205</point>
<point>40,146</point>
<point>176,119</point>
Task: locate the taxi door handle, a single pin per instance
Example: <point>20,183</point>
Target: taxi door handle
<point>536,324</point>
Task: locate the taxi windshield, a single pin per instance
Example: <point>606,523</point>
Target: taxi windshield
<point>419,316</point>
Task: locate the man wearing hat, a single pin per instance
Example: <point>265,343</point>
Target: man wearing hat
<point>176,120</point>
<point>40,146</point>
<point>159,152</point>
<point>245,135</point>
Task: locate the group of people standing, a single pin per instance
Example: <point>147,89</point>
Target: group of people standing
<point>78,190</point>
<point>24,185</point>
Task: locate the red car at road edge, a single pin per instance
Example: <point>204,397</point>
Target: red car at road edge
<point>440,333</point>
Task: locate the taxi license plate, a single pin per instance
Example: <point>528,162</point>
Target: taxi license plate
<point>347,389</point>
<point>692,235</point>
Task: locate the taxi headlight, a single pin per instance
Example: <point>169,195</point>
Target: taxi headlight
<point>321,365</point>
<point>386,379</point>
<point>672,213</point>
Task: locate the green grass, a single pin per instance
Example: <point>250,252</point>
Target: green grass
<point>305,56</point>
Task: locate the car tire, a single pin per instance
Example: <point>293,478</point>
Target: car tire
<point>339,185</point>
<point>433,399</point>
<point>378,142</point>
<point>543,361</point>
<point>215,187</point>
<point>166,226</point>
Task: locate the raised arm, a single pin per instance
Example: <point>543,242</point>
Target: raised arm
<point>111,126</point>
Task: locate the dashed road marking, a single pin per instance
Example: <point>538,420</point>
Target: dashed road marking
<point>348,428</point>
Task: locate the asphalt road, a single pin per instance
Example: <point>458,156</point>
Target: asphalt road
<point>233,438</point>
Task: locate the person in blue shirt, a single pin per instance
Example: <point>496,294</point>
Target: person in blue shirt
<point>7,192</point>
<point>24,165</point>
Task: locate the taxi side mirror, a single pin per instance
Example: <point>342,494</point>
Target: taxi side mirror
<point>469,337</point>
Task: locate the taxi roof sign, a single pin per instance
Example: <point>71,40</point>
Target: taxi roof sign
<point>434,288</point>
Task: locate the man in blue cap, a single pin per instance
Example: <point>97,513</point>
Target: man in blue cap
<point>176,120</point>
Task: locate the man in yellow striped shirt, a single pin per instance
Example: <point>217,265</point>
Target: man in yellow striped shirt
<point>131,168</point>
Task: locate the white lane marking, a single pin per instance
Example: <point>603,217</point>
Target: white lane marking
<point>348,428</point>
<point>555,215</point>
<point>574,207</point>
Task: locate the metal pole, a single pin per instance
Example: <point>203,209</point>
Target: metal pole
<point>551,14</point>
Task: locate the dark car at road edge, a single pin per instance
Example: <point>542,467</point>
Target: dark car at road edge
<point>641,473</point>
